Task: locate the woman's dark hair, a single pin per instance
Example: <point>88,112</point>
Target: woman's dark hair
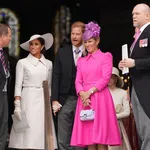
<point>42,41</point>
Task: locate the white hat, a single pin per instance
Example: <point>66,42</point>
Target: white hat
<point>120,82</point>
<point>47,37</point>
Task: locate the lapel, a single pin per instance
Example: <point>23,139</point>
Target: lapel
<point>7,59</point>
<point>69,59</point>
<point>132,48</point>
<point>142,35</point>
<point>2,70</point>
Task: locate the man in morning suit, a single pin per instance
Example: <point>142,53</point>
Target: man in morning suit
<point>139,65</point>
<point>5,37</point>
<point>64,96</point>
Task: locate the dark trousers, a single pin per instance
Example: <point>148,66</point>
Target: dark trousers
<point>65,124</point>
<point>142,122</point>
<point>3,119</point>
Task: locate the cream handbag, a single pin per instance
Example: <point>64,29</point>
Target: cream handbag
<point>87,114</point>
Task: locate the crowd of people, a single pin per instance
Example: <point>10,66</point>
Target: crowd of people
<point>85,90</point>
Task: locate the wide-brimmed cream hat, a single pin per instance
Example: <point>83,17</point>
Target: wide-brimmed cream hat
<point>47,37</point>
<point>120,82</point>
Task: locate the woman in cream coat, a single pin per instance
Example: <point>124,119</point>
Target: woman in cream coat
<point>30,74</point>
<point>122,107</point>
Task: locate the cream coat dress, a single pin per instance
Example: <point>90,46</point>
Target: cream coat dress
<point>122,107</point>
<point>30,74</point>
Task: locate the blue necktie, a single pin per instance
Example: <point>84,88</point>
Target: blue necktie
<point>77,51</point>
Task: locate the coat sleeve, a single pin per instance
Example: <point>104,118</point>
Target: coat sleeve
<point>141,64</point>
<point>19,78</point>
<point>106,72</point>
<point>126,107</point>
<point>56,74</point>
<point>79,78</point>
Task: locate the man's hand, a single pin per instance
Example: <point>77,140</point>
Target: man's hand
<point>56,106</point>
<point>129,62</point>
<point>121,65</point>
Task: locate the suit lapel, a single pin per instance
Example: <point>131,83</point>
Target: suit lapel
<point>142,35</point>
<point>132,49</point>
<point>6,59</point>
<point>70,59</point>
<point>2,69</point>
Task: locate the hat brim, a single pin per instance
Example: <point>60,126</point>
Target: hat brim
<point>48,38</point>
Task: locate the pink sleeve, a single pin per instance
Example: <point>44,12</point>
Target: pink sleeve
<point>79,79</point>
<point>106,72</point>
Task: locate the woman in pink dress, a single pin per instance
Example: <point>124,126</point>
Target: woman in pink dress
<point>93,74</point>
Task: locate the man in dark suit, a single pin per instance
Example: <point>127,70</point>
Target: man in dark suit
<point>139,65</point>
<point>5,37</point>
<point>63,85</point>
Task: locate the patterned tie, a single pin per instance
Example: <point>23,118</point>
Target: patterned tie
<point>136,36</point>
<point>77,51</point>
<point>3,60</point>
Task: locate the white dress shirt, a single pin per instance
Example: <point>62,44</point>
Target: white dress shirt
<point>81,48</point>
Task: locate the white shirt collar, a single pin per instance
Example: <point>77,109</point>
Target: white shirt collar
<point>144,26</point>
<point>82,48</point>
<point>35,60</point>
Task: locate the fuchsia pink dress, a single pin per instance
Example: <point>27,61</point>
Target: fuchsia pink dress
<point>95,70</point>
